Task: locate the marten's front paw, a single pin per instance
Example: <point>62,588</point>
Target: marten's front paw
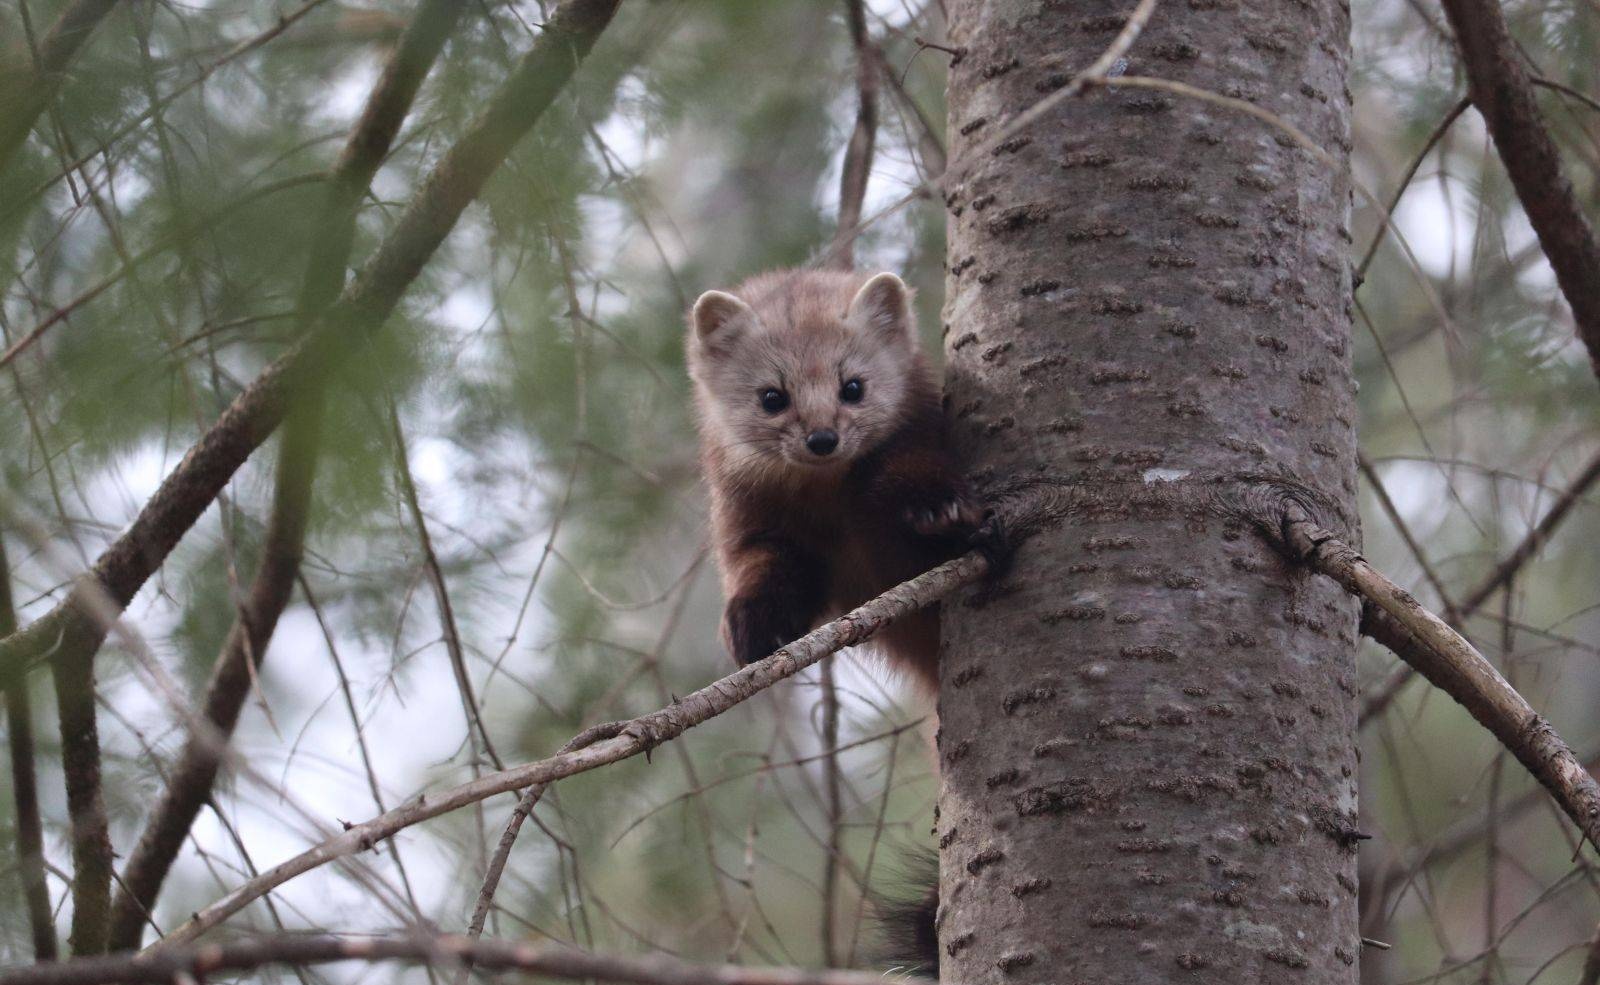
<point>755,626</point>
<point>993,541</point>
<point>955,516</point>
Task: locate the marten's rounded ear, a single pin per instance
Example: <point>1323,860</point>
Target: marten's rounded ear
<point>883,305</point>
<point>714,312</point>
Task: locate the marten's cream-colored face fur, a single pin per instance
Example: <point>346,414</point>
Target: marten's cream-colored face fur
<point>800,372</point>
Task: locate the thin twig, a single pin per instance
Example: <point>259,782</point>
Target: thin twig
<point>282,23</point>
<point>361,740</point>
<point>1451,613</point>
<point>956,170</point>
<point>1501,575</point>
<point>441,595</point>
<point>1428,145</point>
<point>834,806</point>
<point>508,838</point>
<point>554,961</point>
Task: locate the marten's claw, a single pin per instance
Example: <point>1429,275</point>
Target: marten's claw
<point>953,517</point>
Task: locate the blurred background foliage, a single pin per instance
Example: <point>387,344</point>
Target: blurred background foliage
<point>161,212</point>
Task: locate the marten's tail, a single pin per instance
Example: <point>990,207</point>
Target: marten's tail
<point>907,918</point>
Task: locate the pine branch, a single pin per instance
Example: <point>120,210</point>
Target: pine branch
<point>195,771</point>
<point>23,99</point>
<point>69,630</point>
<point>858,154</point>
<point>1502,91</point>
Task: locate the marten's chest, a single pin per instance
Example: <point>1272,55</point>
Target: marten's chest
<point>864,550</point>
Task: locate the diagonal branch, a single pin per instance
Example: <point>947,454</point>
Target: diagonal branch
<point>23,99</point>
<point>548,960</point>
<point>68,630</point>
<point>195,772</point>
<point>1501,90</point>
<point>1392,617</point>
<point>1500,576</point>
<point>607,744</point>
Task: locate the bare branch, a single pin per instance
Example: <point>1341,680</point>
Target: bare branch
<point>858,155</point>
<point>1451,613</point>
<point>621,741</point>
<point>1457,840</point>
<point>1392,617</point>
<point>25,791</point>
<point>1503,94</point>
<point>508,838</point>
<point>246,644</point>
<point>952,173</point>
<point>68,630</point>
<point>554,961</point>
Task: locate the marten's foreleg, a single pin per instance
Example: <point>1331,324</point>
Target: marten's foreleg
<point>775,589</point>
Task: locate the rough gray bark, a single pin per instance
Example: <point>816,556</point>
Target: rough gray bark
<point>1148,727</point>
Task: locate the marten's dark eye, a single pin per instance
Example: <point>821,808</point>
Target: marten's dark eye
<point>773,400</point>
<point>852,391</point>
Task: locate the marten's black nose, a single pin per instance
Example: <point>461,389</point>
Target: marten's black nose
<point>822,442</point>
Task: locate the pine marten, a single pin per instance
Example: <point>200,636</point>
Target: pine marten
<point>823,442</point>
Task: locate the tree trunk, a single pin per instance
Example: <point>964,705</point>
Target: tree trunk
<point>1148,726</point>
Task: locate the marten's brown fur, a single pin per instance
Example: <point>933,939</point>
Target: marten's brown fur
<point>823,443</point>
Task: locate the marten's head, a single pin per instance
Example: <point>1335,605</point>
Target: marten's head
<point>801,370</point>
